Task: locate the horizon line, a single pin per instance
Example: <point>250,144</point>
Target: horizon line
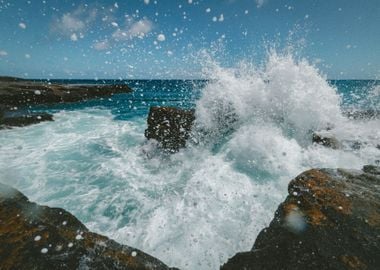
<point>158,79</point>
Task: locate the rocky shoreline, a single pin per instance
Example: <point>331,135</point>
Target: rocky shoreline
<point>16,93</point>
<point>330,220</point>
<point>39,237</point>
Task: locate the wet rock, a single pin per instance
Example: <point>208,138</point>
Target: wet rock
<point>330,220</point>
<point>372,169</point>
<point>24,120</point>
<point>362,114</point>
<point>39,237</point>
<point>326,140</point>
<point>169,126</point>
<point>18,92</point>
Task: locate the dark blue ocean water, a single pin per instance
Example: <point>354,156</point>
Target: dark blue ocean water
<point>355,94</point>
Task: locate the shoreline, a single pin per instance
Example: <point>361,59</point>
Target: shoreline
<point>17,93</point>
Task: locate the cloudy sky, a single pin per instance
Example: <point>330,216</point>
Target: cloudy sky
<point>163,38</point>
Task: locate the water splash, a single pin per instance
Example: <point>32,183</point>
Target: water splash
<point>198,207</point>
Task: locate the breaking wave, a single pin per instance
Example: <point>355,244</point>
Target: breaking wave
<point>198,207</point>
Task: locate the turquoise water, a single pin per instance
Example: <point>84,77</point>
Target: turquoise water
<point>356,94</point>
<point>196,208</point>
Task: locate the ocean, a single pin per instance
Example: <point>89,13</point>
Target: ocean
<point>196,208</point>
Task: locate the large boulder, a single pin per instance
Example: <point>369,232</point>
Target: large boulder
<point>169,126</point>
<point>39,237</point>
<point>330,220</point>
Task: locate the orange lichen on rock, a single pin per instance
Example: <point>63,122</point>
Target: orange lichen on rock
<point>374,219</point>
<point>317,193</point>
<point>39,237</point>
<point>353,262</point>
<point>341,210</point>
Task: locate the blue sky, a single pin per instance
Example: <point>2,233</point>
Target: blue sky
<point>161,38</point>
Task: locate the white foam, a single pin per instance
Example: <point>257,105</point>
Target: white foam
<point>196,208</point>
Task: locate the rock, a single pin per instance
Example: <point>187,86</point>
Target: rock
<point>326,140</point>
<point>18,92</point>
<point>330,220</point>
<point>362,114</point>
<point>24,120</point>
<point>9,79</point>
<point>371,169</point>
<point>39,237</point>
<point>169,126</point>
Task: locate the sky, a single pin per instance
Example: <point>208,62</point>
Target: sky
<point>162,39</point>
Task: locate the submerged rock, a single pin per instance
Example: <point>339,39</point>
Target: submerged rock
<point>330,220</point>
<point>169,126</point>
<point>326,140</point>
<point>40,237</point>
<point>24,120</point>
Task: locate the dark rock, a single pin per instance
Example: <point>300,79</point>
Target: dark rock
<point>39,237</point>
<point>326,140</point>
<point>24,120</point>
<point>330,220</point>
<point>371,169</point>
<point>9,79</point>
<point>169,126</point>
<point>19,92</point>
<point>363,114</point>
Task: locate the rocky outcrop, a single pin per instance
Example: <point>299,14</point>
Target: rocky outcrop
<point>330,220</point>
<point>18,92</point>
<point>326,140</point>
<point>169,126</point>
<point>24,120</point>
<point>39,237</point>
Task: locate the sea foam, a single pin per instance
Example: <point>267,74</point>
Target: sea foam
<point>198,207</point>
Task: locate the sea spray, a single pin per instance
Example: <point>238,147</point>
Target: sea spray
<point>286,92</point>
<point>198,207</point>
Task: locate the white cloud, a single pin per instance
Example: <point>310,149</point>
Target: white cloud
<point>260,3</point>
<point>74,23</point>
<point>69,23</point>
<point>137,29</point>
<point>101,45</point>
<point>3,53</point>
